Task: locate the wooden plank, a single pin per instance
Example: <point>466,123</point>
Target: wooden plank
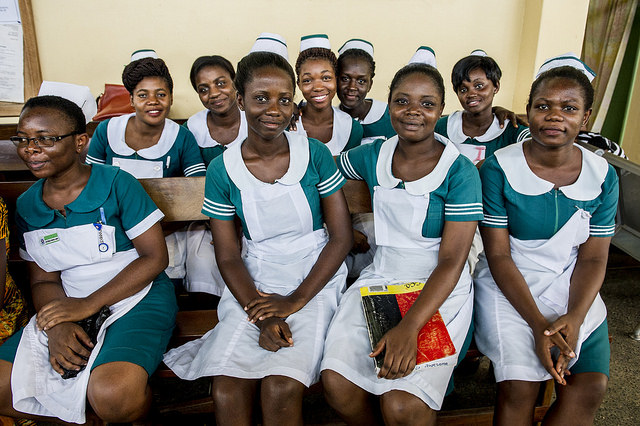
<point>179,198</point>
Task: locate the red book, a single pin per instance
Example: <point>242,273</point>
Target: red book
<point>385,305</point>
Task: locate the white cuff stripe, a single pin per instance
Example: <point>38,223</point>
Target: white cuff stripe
<point>347,168</point>
<point>145,224</point>
<point>335,185</point>
<point>94,160</point>
<point>218,206</point>
<point>466,213</point>
<point>331,182</point>
<point>218,212</point>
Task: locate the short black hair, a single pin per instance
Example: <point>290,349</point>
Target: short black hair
<point>138,70</point>
<point>356,54</point>
<point>417,68</point>
<point>73,113</point>
<point>464,66</point>
<point>210,61</point>
<point>568,73</point>
<point>316,53</point>
<point>257,60</point>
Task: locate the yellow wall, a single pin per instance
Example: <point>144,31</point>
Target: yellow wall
<point>89,41</point>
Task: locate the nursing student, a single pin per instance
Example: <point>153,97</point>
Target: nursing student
<point>93,242</point>
<point>146,143</point>
<point>282,290</point>
<point>550,209</point>
<point>426,200</point>
<point>316,71</point>
<point>355,70</point>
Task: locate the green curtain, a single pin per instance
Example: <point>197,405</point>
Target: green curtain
<point>606,35</point>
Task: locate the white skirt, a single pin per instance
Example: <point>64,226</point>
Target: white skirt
<point>347,347</point>
<point>231,348</point>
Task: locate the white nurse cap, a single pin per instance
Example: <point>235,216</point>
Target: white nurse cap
<point>478,52</point>
<point>315,40</point>
<point>143,53</point>
<point>567,60</point>
<point>424,55</point>
<point>79,95</point>
<point>269,42</point>
<point>357,43</point>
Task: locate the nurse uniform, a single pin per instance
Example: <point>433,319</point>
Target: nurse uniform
<point>89,246</point>
<point>283,236</point>
<point>409,219</point>
<point>546,228</point>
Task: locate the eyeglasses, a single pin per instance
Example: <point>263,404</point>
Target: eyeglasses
<point>39,141</point>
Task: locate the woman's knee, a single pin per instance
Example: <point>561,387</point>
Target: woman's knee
<point>402,408</point>
<point>280,390</point>
<point>119,392</point>
<point>585,389</point>
<point>518,393</point>
<point>336,389</point>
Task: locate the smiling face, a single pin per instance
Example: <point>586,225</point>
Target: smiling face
<point>267,102</point>
<point>317,82</point>
<point>557,112</point>
<point>477,95</point>
<point>215,89</point>
<point>151,98</point>
<point>415,106</point>
<point>354,82</point>
<point>49,161</point>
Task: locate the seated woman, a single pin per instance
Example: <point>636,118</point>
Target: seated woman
<point>282,290</point>
<point>146,143</point>
<point>476,130</point>
<point>550,207</point>
<point>426,204</point>
<point>316,71</point>
<point>355,70</point>
<point>221,124</point>
<point>92,239</point>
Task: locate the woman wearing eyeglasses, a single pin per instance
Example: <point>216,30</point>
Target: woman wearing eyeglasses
<point>92,238</point>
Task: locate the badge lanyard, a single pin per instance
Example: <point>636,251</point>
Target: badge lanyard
<point>102,246</point>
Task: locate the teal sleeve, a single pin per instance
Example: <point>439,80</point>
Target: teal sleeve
<point>217,189</point>
<point>355,137</point>
<point>136,209</point>
<point>359,163</point>
<point>603,219</point>
<point>330,178</point>
<point>97,153</point>
<point>463,202</point>
<point>493,201</point>
<point>190,158</point>
<point>523,133</point>
<point>441,126</point>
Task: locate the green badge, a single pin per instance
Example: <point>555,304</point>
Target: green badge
<point>49,239</point>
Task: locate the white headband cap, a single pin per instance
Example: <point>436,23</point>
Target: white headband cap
<point>357,43</point>
<point>478,52</point>
<point>567,60</point>
<point>143,53</point>
<point>424,55</point>
<point>269,42</point>
<point>315,40</point>
<point>79,95</point>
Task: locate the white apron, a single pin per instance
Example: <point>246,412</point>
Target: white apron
<point>282,250</point>
<point>546,265</point>
<point>403,255</point>
<point>85,267</point>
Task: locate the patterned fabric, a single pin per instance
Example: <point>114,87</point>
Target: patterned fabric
<point>13,314</point>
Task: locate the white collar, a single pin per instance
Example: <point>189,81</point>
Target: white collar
<point>456,135</point>
<point>376,112</point>
<point>425,184</point>
<point>244,180</point>
<point>587,187</point>
<point>115,135</point>
<point>197,125</point>
<point>342,123</point>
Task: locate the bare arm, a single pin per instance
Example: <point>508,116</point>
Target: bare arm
<point>401,341</point>
<point>514,287</point>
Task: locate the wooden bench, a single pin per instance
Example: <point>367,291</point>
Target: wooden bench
<point>180,199</point>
